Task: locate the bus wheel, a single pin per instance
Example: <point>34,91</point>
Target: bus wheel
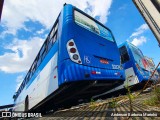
<point>26,104</point>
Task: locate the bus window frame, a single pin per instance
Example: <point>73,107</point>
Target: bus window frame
<point>96,21</point>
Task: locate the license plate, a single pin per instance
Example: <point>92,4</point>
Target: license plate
<point>104,61</point>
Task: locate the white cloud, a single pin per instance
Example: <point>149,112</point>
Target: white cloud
<point>22,55</point>
<point>19,80</point>
<point>100,8</point>
<point>140,30</point>
<point>123,7</point>
<point>40,31</point>
<point>139,41</point>
<point>17,12</point>
<point>138,37</point>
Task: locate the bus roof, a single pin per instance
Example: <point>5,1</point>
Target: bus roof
<point>127,43</point>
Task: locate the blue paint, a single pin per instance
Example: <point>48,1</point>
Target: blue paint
<point>142,74</point>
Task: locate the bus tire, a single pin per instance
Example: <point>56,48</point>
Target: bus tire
<point>26,104</point>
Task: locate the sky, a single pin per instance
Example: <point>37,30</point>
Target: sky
<point>26,23</point>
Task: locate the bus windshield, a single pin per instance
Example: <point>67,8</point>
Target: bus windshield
<point>92,26</point>
<point>138,56</point>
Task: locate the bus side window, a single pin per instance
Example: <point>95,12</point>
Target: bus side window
<point>43,52</point>
<point>42,49</point>
<point>52,40</point>
<point>49,43</point>
<point>56,27</point>
<point>124,54</point>
<point>29,75</point>
<point>38,61</point>
<point>25,80</point>
<point>52,33</point>
<point>53,36</point>
<point>23,84</point>
<point>34,67</point>
<point>20,89</point>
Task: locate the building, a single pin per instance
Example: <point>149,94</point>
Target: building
<point>1,6</point>
<point>150,10</point>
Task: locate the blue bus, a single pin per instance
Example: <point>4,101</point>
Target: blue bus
<point>138,69</point>
<point>79,58</point>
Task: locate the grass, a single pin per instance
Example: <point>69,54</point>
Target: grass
<point>113,104</point>
<point>92,104</point>
<point>155,99</point>
<point>157,93</point>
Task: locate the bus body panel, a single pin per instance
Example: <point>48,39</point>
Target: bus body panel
<point>131,77</point>
<point>96,51</point>
<point>45,82</point>
<point>74,72</point>
<point>20,102</point>
<point>66,32</point>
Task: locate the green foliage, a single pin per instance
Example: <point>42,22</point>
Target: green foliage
<point>152,101</point>
<point>155,100</point>
<point>130,96</point>
<point>157,93</point>
<point>113,104</point>
<point>92,103</point>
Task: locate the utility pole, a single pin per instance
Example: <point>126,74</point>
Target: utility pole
<point>150,10</point>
